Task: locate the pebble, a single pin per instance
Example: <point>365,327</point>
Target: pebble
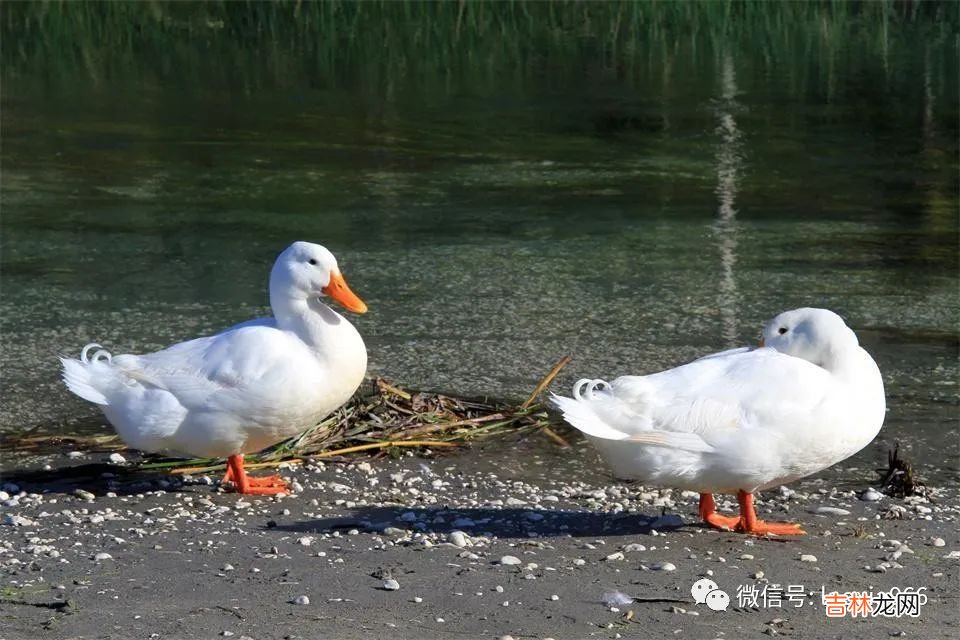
<point>83,494</point>
<point>746,556</point>
<point>17,521</point>
<point>938,542</point>
<point>634,546</point>
<point>554,597</point>
<point>116,458</point>
<point>506,637</point>
<point>301,600</point>
<point>808,557</point>
<point>871,495</point>
<point>417,599</point>
<point>616,599</point>
<point>663,566</point>
<point>831,511</point>
<point>390,584</point>
<point>103,555</point>
<point>510,560</point>
<point>615,556</point>
<point>458,538</point>
<point>75,454</point>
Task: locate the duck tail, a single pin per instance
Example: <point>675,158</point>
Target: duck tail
<point>580,410</point>
<point>79,376</point>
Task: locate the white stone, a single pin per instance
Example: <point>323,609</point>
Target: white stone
<point>510,560</point>
<point>17,521</point>
<point>808,557</point>
<point>831,511</point>
<point>301,600</point>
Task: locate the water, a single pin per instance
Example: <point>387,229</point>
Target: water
<point>632,202</point>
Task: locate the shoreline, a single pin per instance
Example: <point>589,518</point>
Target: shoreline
<point>482,542</point>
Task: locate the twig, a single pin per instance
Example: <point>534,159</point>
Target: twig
<point>553,435</point>
<point>386,445</point>
<point>547,379</point>
<point>386,386</point>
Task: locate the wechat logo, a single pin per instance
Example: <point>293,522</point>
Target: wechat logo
<point>705,591</point>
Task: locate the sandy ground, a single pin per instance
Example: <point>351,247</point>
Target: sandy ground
<point>516,539</point>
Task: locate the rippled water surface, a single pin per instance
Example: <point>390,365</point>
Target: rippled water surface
<point>634,201</point>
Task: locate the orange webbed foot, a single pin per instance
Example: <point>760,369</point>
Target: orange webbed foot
<point>253,485</point>
<point>271,490</point>
<point>727,523</point>
<point>750,524</point>
<point>709,515</point>
<point>762,528</point>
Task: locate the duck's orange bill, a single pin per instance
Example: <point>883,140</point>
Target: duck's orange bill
<point>339,291</point>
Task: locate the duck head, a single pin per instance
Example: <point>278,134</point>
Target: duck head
<point>816,335</point>
<point>306,270</point>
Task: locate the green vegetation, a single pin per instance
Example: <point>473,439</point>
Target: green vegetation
<point>456,46</point>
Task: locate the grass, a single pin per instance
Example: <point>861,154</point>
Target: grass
<point>386,45</point>
<point>380,417</point>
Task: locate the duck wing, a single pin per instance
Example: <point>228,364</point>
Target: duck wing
<point>697,406</point>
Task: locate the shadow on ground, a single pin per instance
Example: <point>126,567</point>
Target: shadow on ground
<point>504,523</point>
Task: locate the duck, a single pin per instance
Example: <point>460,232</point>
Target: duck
<point>243,389</point>
<point>742,420</point>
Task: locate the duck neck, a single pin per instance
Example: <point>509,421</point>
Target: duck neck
<point>847,363</point>
<point>316,324</point>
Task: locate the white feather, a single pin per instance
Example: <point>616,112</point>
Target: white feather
<point>240,390</point>
<point>743,418</point>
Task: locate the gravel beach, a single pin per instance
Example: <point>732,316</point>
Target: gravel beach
<point>440,546</point>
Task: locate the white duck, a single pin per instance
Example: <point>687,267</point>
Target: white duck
<point>741,420</point>
<point>244,389</point>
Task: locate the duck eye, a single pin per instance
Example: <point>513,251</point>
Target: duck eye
<point>314,261</point>
<point>782,330</point>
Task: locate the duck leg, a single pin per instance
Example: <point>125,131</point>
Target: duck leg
<point>262,486</point>
<point>709,515</point>
<point>749,523</point>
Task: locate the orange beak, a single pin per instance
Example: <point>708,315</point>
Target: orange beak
<point>338,290</point>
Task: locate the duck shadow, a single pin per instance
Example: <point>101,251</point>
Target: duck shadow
<point>503,523</point>
<point>97,477</point>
